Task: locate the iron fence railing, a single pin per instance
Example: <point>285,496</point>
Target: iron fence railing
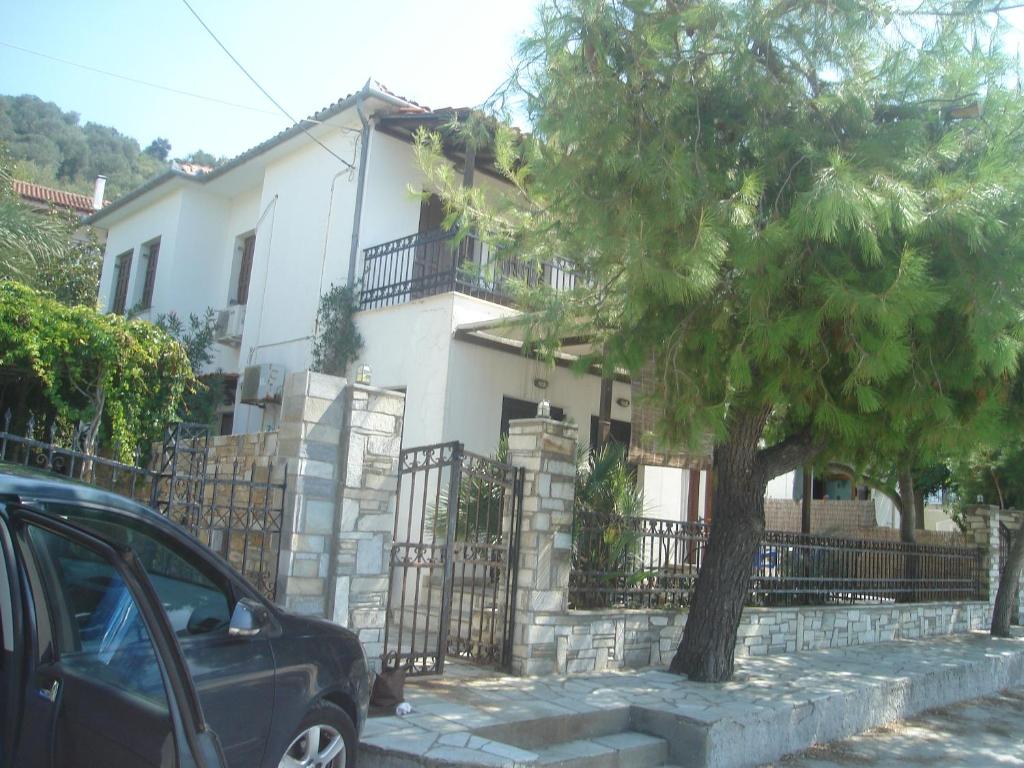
<point>651,563</point>
<point>429,263</point>
<point>236,509</point>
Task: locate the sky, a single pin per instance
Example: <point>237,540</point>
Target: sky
<point>305,53</point>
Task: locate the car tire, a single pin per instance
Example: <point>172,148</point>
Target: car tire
<point>335,740</point>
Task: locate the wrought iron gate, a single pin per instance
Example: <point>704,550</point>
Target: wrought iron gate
<point>454,559</point>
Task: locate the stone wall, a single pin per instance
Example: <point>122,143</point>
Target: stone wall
<point>594,641</point>
<point>828,516</point>
<point>364,528</point>
<point>258,449</point>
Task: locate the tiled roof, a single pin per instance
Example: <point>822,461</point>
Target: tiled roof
<point>372,87</point>
<point>40,194</point>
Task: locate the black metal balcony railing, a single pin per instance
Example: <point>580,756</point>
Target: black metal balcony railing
<point>429,263</point>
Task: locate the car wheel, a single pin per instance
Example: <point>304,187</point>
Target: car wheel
<point>325,738</point>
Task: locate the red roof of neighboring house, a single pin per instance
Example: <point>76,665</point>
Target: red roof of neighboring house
<point>39,193</point>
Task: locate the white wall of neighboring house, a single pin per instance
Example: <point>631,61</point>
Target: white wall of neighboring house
<point>935,516</point>
<point>781,487</point>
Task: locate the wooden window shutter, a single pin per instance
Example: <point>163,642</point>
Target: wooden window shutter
<point>124,268</point>
<point>245,269</point>
<point>147,288</point>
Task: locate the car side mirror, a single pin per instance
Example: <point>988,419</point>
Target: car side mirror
<point>248,618</point>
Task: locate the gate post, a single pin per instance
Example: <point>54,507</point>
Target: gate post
<point>546,450</point>
<point>983,528</point>
<point>370,445</point>
<point>312,417</point>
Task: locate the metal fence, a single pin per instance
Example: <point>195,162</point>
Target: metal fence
<point>235,509</point>
<point>651,563</point>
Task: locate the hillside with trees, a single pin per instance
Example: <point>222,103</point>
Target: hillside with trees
<point>50,146</point>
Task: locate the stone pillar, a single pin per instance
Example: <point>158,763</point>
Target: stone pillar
<point>312,416</point>
<point>983,528</point>
<point>369,491</point>
<point>546,449</point>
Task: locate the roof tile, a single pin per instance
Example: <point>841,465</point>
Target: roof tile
<point>58,197</point>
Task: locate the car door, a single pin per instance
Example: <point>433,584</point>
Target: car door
<point>235,676</point>
<point>104,682</point>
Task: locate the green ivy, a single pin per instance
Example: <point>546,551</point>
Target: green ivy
<point>337,342</point>
<point>124,378</point>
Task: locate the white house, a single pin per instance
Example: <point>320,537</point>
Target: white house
<point>331,201</point>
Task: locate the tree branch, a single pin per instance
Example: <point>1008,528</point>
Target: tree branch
<point>795,451</point>
<point>879,485</point>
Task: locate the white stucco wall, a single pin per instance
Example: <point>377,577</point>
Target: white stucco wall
<point>781,487</point>
<point>160,219</point>
<point>887,516</point>
<point>302,246</point>
<point>197,230</point>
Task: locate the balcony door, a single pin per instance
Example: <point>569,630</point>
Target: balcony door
<point>432,257</point>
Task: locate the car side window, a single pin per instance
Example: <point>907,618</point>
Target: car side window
<point>197,598</point>
<point>96,626</point>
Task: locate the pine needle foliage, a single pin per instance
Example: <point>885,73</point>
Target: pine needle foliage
<point>806,215</point>
<point>809,207</point>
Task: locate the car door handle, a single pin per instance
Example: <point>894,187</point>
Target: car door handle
<point>50,692</point>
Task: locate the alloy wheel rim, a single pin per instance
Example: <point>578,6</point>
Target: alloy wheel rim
<point>319,746</point>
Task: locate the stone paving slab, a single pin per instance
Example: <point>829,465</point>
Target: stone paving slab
<point>772,707</point>
<point>978,734</point>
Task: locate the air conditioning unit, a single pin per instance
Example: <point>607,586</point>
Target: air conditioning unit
<point>228,328</point>
<point>262,384</point>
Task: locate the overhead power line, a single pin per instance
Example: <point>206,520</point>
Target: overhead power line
<point>136,80</point>
<point>263,90</point>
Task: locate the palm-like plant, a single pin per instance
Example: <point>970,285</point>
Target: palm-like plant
<point>38,250</point>
<point>605,537</point>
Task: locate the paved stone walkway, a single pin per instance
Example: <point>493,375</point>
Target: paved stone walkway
<point>983,732</point>
<point>773,706</point>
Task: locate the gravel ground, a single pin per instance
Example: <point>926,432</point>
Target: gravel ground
<point>982,732</point>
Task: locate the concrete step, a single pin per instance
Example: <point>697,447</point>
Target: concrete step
<point>627,749</point>
<point>537,734</point>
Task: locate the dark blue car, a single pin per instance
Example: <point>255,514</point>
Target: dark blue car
<point>125,642</point>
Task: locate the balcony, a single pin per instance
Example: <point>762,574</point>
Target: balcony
<point>430,263</point>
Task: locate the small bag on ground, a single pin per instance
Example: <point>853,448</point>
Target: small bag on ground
<point>388,689</point>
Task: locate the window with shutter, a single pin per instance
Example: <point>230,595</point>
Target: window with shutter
<point>152,254</point>
<point>245,268</point>
<point>123,271</point>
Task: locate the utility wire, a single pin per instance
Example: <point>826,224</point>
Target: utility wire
<point>263,90</point>
<point>136,80</point>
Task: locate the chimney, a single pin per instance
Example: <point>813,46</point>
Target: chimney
<point>97,192</point>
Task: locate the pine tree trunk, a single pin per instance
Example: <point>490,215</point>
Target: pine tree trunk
<point>908,516</point>
<point>908,533</point>
<point>805,499</point>
<point>706,652</point>
<point>1002,611</point>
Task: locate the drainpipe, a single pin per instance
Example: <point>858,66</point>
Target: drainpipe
<point>364,153</point>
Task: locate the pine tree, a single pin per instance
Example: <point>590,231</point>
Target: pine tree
<point>804,215</point>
